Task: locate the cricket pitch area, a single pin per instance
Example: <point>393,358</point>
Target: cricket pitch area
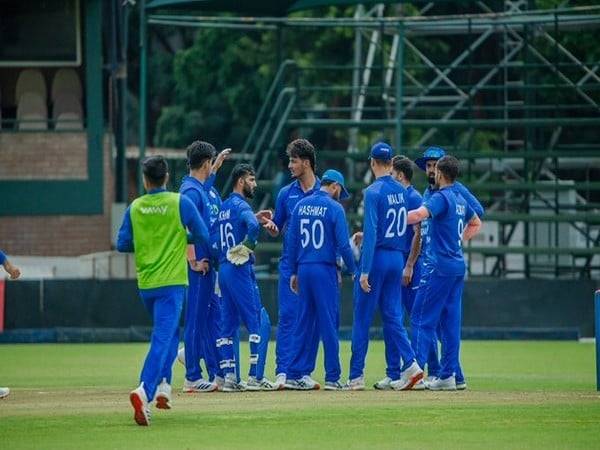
<point>521,394</point>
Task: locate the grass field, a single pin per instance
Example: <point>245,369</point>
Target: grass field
<point>521,395</point>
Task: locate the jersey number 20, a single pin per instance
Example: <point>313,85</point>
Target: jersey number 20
<point>314,234</point>
<point>397,226</point>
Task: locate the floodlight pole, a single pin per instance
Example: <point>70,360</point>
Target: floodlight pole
<point>143,91</point>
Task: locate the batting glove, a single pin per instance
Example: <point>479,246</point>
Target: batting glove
<point>240,254</point>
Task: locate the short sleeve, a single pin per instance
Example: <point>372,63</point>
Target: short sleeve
<point>436,204</point>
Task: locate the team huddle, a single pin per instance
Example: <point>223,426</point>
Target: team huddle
<point>407,259</point>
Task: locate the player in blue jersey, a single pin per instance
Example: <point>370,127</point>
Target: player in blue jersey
<point>427,163</point>
<point>236,237</point>
<point>302,162</point>
<point>451,221</point>
<point>381,265</point>
<point>402,172</point>
<point>14,272</point>
<point>200,271</point>
<point>318,232</point>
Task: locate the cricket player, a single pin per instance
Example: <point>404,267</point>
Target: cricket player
<point>301,164</point>
<point>318,233</point>
<point>381,265</point>
<point>427,163</point>
<point>238,230</point>
<point>154,229</point>
<point>201,272</point>
<point>14,272</point>
<point>451,221</point>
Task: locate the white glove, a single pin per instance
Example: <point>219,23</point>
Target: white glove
<point>239,254</point>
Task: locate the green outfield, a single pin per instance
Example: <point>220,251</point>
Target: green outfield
<point>521,395</point>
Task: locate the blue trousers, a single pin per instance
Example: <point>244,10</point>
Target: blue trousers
<point>440,303</point>
<point>385,278</point>
<point>164,305</point>
<point>318,295</point>
<point>241,303</point>
<point>410,292</point>
<point>286,324</point>
<point>196,335</point>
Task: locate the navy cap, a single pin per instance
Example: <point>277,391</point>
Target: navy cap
<point>336,177</point>
<point>432,153</point>
<point>382,151</point>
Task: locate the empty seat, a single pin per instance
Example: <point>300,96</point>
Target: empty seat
<point>68,121</point>
<point>66,81</point>
<point>66,103</point>
<point>32,113</point>
<point>30,80</point>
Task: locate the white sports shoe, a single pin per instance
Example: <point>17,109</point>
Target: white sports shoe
<point>200,385</point>
<point>280,381</point>
<point>356,384</point>
<point>219,381</point>
<point>306,383</point>
<point>446,384</point>
<point>419,386</point>
<point>163,395</point>
<point>383,385</point>
<point>335,386</point>
<point>4,392</point>
<point>141,410</point>
<point>430,379</point>
<point>461,386</point>
<point>263,384</point>
<point>232,385</point>
<point>181,356</point>
<point>408,378</point>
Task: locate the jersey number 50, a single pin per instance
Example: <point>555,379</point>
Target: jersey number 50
<point>397,224</point>
<point>309,234</point>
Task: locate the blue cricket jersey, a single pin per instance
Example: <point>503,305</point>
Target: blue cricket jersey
<point>2,257</point>
<point>236,223</point>
<point>318,232</point>
<point>287,199</point>
<point>195,190</point>
<point>450,213</point>
<point>415,200</point>
<point>385,219</point>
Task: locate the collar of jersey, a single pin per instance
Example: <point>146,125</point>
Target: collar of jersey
<point>156,190</point>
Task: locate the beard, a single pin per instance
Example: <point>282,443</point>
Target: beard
<point>431,179</point>
<point>248,191</point>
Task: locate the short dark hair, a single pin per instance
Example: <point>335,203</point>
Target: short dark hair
<point>449,167</point>
<point>155,169</point>
<point>198,152</point>
<point>240,171</point>
<point>301,148</point>
<point>403,165</point>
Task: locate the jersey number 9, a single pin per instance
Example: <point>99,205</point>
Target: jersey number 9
<point>397,225</point>
<point>314,234</point>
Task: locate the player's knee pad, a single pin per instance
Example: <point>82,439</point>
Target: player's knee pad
<point>227,364</point>
<point>254,338</point>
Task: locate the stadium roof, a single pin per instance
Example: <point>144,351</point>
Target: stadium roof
<point>263,7</point>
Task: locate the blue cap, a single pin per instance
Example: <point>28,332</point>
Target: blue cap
<point>432,153</point>
<point>336,177</point>
<point>382,151</point>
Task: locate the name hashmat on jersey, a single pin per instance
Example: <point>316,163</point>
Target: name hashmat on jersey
<point>310,210</point>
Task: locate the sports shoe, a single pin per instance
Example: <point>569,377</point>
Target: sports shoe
<point>356,384</point>
<point>163,395</point>
<point>219,381</point>
<point>4,392</point>
<point>430,379</point>
<point>231,385</point>
<point>280,381</point>
<point>139,401</point>
<point>461,385</point>
<point>383,385</point>
<point>198,386</point>
<point>446,384</point>
<point>419,386</point>
<point>263,384</point>
<point>181,356</point>
<point>306,383</point>
<point>335,386</point>
<point>408,378</point>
